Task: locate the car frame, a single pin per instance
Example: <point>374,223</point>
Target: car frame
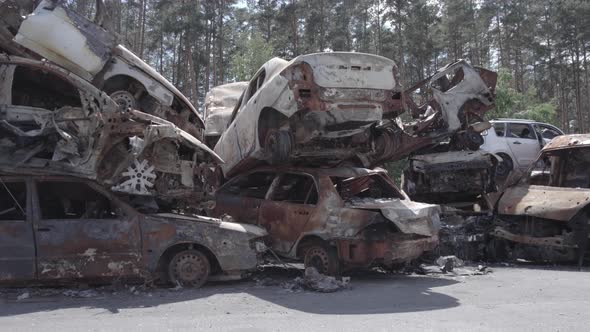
<point>88,233</point>
<point>545,214</point>
<point>343,108</point>
<point>332,229</point>
<point>517,151</point>
<point>55,122</point>
<point>85,48</point>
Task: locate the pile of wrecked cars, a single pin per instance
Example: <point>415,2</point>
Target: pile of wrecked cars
<point>300,144</point>
<point>102,170</point>
<point>108,171</point>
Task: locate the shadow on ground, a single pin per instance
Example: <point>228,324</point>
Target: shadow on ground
<point>370,293</point>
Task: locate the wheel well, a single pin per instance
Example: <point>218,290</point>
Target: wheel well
<point>173,250</point>
<point>306,242</point>
<point>119,82</point>
<point>269,118</point>
<point>504,154</point>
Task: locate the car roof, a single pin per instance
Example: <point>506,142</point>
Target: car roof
<point>518,121</point>
<point>568,142</point>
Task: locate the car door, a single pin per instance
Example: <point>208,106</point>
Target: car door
<point>81,232</point>
<point>547,132</point>
<point>523,143</point>
<point>242,196</point>
<point>17,243</point>
<point>290,203</point>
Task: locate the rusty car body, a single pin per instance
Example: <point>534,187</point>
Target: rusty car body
<point>54,122</point>
<point>68,39</point>
<point>546,214</point>
<point>455,178</point>
<point>220,102</point>
<point>343,108</point>
<point>57,229</point>
<point>333,219</point>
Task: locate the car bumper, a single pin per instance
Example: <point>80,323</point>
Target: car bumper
<point>395,249</point>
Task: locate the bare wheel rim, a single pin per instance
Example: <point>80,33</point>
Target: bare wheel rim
<point>319,259</point>
<point>124,99</point>
<point>189,268</point>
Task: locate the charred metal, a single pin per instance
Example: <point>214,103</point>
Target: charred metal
<point>332,219</point>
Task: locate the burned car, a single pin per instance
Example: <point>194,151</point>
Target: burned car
<point>332,219</point>
<point>545,216</point>
<point>54,122</point>
<point>219,105</point>
<point>57,229</point>
<point>70,40</point>
<point>454,178</point>
<point>343,109</point>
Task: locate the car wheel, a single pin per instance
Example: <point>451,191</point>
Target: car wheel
<point>323,258</point>
<point>278,145</point>
<point>189,268</point>
<point>505,167</point>
<point>124,99</point>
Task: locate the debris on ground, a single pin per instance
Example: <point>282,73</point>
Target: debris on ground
<point>448,263</point>
<point>87,293</point>
<point>23,296</point>
<point>315,281</point>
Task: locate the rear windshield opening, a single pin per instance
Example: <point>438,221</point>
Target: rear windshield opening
<point>372,186</point>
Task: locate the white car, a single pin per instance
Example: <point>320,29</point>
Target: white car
<point>517,142</point>
<point>342,108</point>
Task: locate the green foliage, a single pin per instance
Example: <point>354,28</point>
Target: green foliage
<point>253,52</point>
<point>513,104</point>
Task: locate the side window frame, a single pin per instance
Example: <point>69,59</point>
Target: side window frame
<point>224,189</point>
<point>530,127</point>
<point>28,195</point>
<point>273,189</point>
<point>121,211</point>
<point>503,124</point>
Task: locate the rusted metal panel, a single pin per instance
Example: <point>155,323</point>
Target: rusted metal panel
<point>87,244</point>
<point>567,142</point>
<point>17,241</point>
<point>555,203</point>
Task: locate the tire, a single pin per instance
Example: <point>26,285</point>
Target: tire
<point>189,269</point>
<point>473,140</point>
<point>277,143</point>
<point>505,167</point>
<point>323,258</point>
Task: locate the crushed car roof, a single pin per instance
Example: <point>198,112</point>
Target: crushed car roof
<point>568,141</point>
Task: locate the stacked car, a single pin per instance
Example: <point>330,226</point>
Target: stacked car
<point>102,169</point>
<point>303,138</point>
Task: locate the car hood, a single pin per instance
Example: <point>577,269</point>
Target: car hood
<point>232,226</point>
<point>410,217</point>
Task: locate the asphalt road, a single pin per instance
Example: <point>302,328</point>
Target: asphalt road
<point>524,298</point>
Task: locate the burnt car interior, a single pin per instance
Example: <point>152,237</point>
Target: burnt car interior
<point>73,200</point>
<point>564,168</point>
<point>372,186</point>
<point>254,185</point>
<point>295,188</point>
<point>13,201</point>
<point>36,88</point>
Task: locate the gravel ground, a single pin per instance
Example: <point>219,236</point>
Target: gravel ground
<point>522,298</point>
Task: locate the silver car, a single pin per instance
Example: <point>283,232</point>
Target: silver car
<point>517,142</point>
